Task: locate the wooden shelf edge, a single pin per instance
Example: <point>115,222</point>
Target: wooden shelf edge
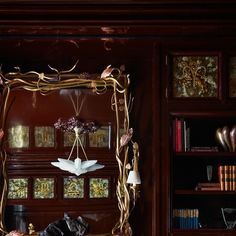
<point>195,192</point>
<point>203,232</point>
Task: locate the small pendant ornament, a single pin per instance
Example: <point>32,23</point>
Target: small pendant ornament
<point>74,124</point>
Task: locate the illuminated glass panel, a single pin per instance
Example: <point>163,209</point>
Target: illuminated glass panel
<point>101,138</point>
<point>69,138</point>
<point>43,188</point>
<point>18,136</point>
<point>17,188</point>
<point>73,187</point>
<point>44,136</point>
<point>98,188</point>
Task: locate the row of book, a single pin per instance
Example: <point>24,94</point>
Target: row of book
<point>181,135</point>
<point>227,177</point>
<point>208,187</point>
<point>227,180</point>
<point>181,138</point>
<point>185,218</point>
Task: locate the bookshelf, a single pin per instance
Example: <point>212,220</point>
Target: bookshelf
<point>202,168</point>
<point>192,190</point>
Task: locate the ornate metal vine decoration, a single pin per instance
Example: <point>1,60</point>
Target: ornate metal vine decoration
<point>111,78</point>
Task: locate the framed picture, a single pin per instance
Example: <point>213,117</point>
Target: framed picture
<point>18,188</point>
<point>44,136</point>
<point>44,188</point>
<point>73,187</point>
<point>195,75</point>
<point>18,136</point>
<point>101,138</point>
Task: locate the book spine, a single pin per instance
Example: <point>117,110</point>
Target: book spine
<point>184,136</point>
<point>226,178</point>
<point>233,178</point>
<point>196,219</point>
<point>221,177</point>
<point>188,147</point>
<point>174,134</point>
<point>230,178</point>
<point>185,218</point>
<point>210,189</point>
<point>178,135</point>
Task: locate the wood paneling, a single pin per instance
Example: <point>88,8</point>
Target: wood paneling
<point>99,33</point>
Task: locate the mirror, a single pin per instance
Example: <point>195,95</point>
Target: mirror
<point>31,104</point>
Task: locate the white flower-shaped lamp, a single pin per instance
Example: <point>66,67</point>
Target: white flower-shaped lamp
<point>77,166</point>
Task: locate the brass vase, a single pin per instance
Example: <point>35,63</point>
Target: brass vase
<point>220,139</point>
<point>233,138</point>
<point>227,138</point>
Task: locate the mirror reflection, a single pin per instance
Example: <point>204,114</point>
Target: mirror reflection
<point>79,123</point>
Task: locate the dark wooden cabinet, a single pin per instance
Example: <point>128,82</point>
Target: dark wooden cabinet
<point>148,37</point>
<point>193,117</point>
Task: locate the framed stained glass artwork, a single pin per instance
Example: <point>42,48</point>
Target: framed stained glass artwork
<point>101,138</point>
<point>18,136</point>
<point>98,188</point>
<point>195,76</point>
<point>232,77</point>
<point>44,188</point>
<point>69,138</point>
<point>73,187</point>
<point>44,136</point>
<point>17,188</point>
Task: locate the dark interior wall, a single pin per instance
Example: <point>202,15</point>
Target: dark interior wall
<point>34,35</point>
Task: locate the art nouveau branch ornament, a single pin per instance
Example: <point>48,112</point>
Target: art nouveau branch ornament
<point>111,78</point>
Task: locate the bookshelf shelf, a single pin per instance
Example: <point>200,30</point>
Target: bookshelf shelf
<point>206,154</point>
<point>203,232</point>
<point>203,192</point>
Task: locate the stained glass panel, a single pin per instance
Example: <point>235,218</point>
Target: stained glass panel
<point>44,136</point>
<point>69,138</point>
<point>98,188</point>
<point>101,138</point>
<point>195,76</point>
<point>43,188</point>
<point>17,188</point>
<point>18,136</point>
<point>73,187</point>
